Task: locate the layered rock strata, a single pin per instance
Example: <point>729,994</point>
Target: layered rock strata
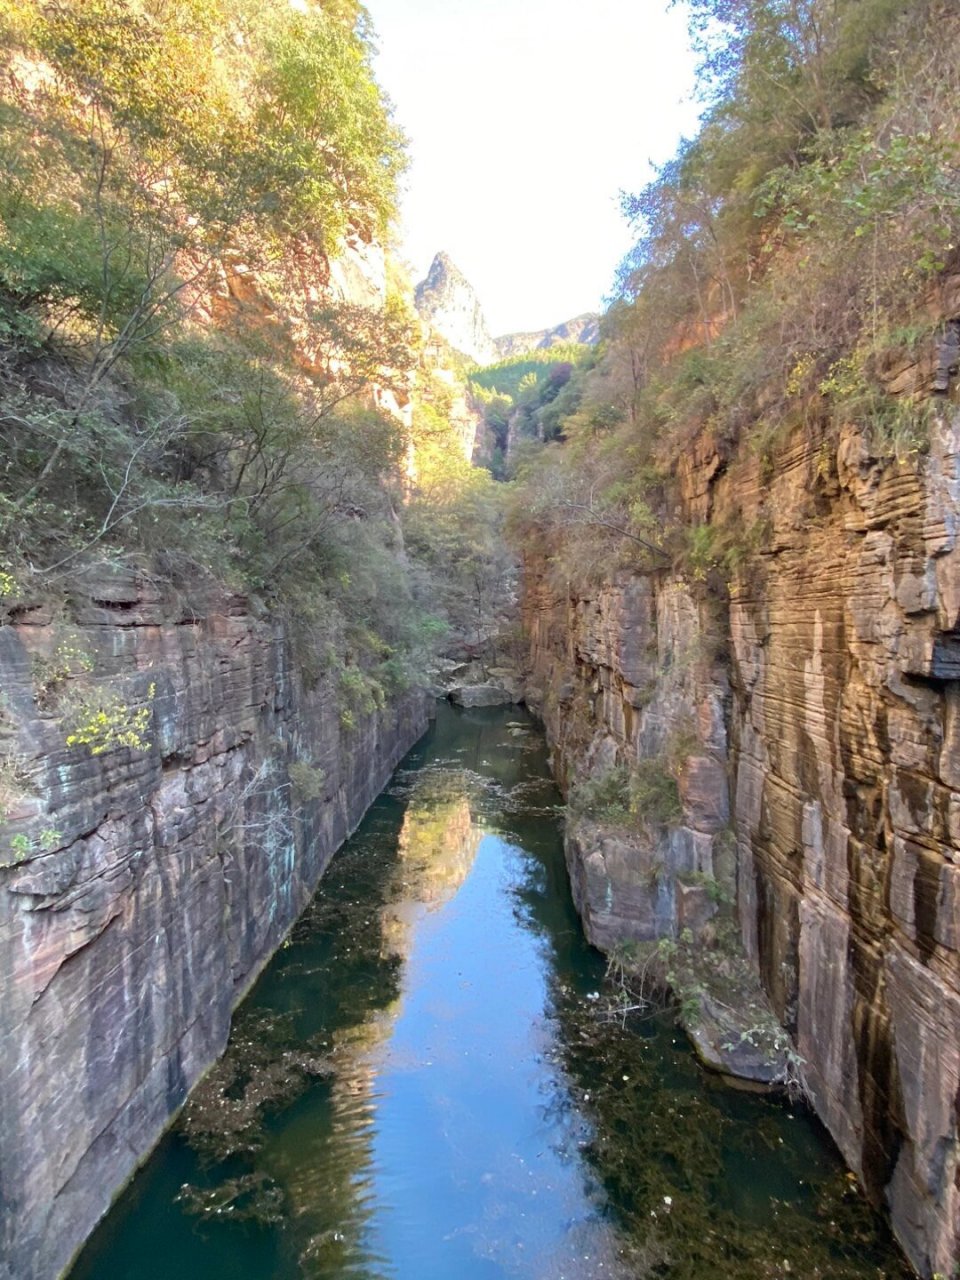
<point>846,800</point>
<point>142,890</point>
<point>623,675</point>
<point>822,683</point>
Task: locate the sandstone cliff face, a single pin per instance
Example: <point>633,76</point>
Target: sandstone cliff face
<point>845,693</point>
<point>619,676</point>
<point>835,722</point>
<point>149,887</point>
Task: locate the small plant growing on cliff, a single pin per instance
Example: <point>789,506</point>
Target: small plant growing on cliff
<point>14,781</point>
<point>647,791</point>
<point>654,794</point>
<point>21,846</point>
<point>702,551</point>
<point>718,894</point>
<point>103,721</point>
<point>359,694</point>
<point>307,780</point>
<point>898,425</point>
<point>69,660</point>
<point>604,797</point>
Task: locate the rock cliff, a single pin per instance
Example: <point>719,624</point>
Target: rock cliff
<point>447,303</point>
<point>142,890</point>
<point>584,328</point>
<point>816,698</point>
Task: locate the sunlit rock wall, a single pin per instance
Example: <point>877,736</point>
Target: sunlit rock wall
<point>149,887</point>
<point>846,800</point>
<point>835,715</point>
<point>446,302</point>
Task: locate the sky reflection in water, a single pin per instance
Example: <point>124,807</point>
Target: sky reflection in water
<point>446,1104</point>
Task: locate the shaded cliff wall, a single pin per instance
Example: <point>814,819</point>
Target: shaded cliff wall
<point>835,716</point>
<point>156,883</point>
<point>628,672</point>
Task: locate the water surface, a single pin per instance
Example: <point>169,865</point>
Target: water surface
<point>423,1084</point>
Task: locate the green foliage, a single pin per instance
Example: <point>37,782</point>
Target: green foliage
<point>165,128</point>
<point>308,781</point>
<point>530,368</point>
<point>69,659</point>
<point>781,261</point>
<point>147,150</point>
<point>453,525</point>
<point>175,181</point>
<point>324,125</point>
<point>701,550</point>
<point>715,891</point>
<point>654,795</point>
<point>646,792</point>
<point>359,693</point>
<point>817,134</point>
<point>527,397</point>
<point>854,393</point>
<point>21,846</point>
<point>604,797</point>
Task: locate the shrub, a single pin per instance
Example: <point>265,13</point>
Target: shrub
<point>308,780</point>
<point>647,792</point>
<point>604,797</point>
<point>102,721</point>
<point>654,795</point>
<point>70,658</point>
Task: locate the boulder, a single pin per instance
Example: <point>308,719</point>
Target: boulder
<point>481,695</point>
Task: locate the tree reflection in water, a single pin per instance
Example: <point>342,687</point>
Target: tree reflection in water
<point>419,1085</point>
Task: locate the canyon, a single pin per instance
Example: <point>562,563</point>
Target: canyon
<point>247,543</point>
<point>803,701</point>
<point>807,709</point>
<point>805,705</point>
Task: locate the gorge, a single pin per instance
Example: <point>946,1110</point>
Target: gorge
<point>425,1081</point>
<point>263,503</point>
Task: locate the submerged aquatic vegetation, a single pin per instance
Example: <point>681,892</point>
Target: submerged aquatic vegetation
<point>721,1183</point>
<point>408,1039</point>
<point>251,1197</point>
<point>264,1067</point>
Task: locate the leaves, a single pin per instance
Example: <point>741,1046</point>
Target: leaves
<point>144,141</point>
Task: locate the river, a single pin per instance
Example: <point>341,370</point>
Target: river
<point>426,1084</point>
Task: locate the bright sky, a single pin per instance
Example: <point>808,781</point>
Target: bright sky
<point>526,118</point>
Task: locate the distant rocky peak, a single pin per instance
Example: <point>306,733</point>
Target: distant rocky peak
<point>444,274</point>
<point>447,302</point>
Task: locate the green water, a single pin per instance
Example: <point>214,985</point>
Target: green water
<point>422,1085</point>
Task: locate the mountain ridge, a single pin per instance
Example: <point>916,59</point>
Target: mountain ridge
<point>448,303</point>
